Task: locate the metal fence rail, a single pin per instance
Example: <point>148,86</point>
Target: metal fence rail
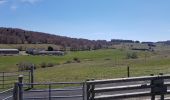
<point>154,85</point>
<point>52,90</point>
<point>7,79</point>
<point>7,83</point>
<point>49,91</point>
<point>9,97</point>
<point>109,89</point>
<point>8,94</point>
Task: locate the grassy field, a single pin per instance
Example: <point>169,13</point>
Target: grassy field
<point>97,64</point>
<point>8,63</point>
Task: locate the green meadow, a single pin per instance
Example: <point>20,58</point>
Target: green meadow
<point>95,64</point>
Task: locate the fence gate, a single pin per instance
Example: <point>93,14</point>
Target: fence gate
<point>7,80</point>
<point>49,91</point>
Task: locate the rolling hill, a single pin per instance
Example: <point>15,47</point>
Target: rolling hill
<point>19,36</point>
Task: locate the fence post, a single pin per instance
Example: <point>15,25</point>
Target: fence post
<point>152,94</point>
<point>3,79</point>
<point>49,91</point>
<point>15,91</point>
<point>87,90</point>
<point>20,87</point>
<point>83,90</point>
<point>92,92</point>
<point>128,71</point>
<point>162,95</point>
<point>32,76</point>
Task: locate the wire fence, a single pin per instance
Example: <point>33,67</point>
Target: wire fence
<point>92,89</point>
<point>7,94</point>
<point>7,79</point>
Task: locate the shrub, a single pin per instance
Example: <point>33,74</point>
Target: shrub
<point>50,65</point>
<point>67,62</point>
<point>107,59</point>
<point>43,65</point>
<point>132,55</point>
<point>24,66</point>
<point>76,59</point>
<point>57,63</point>
<point>50,48</point>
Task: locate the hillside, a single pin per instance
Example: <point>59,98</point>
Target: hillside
<point>19,36</point>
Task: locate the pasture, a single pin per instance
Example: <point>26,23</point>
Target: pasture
<point>97,64</point>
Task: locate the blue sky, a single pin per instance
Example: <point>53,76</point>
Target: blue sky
<point>144,20</point>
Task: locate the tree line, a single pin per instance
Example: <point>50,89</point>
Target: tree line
<point>19,36</point>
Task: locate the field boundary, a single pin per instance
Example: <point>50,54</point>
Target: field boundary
<point>7,80</point>
<point>19,93</point>
<point>92,89</point>
<point>156,85</point>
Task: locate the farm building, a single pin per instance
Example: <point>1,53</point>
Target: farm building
<point>49,53</point>
<point>9,51</point>
<point>43,52</point>
<point>141,49</point>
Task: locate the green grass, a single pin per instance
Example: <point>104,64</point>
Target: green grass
<point>97,64</point>
<point>9,63</point>
<point>79,72</point>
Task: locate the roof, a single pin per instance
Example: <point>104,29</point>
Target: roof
<point>50,52</point>
<point>9,50</point>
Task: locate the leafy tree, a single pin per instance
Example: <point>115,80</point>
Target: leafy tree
<point>50,48</point>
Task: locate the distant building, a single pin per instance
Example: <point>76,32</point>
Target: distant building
<point>140,49</point>
<point>43,52</point>
<point>58,53</point>
<point>9,51</point>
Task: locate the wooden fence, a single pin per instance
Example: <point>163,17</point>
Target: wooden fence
<point>112,89</point>
<point>109,89</point>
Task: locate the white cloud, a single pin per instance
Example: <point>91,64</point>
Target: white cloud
<point>15,4</point>
<point>3,1</point>
<point>14,7</point>
<point>30,1</point>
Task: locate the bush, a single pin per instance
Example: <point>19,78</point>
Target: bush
<point>132,55</point>
<point>76,59</point>
<point>50,48</point>
<point>24,66</point>
<point>67,62</point>
<point>43,65</point>
<point>50,65</point>
<point>107,59</point>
